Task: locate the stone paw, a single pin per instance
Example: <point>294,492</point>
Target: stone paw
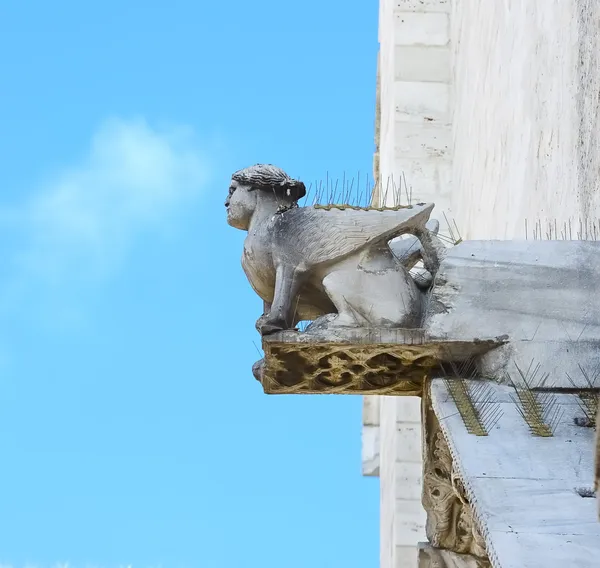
<point>266,325</point>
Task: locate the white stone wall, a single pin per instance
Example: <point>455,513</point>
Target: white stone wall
<point>490,109</point>
<point>414,139</point>
<point>526,121</point>
<point>370,436</point>
<point>402,518</point>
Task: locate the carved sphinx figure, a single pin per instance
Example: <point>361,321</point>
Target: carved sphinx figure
<point>308,262</point>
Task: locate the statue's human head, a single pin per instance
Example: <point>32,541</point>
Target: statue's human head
<point>259,182</point>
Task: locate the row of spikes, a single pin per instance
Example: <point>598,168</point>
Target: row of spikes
<point>361,192</point>
<point>358,191</point>
<point>540,409</point>
<point>365,192</point>
<point>567,231</point>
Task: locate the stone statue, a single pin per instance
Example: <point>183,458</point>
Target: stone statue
<point>308,262</point>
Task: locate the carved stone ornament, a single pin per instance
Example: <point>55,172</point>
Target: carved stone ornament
<point>450,522</point>
<point>354,361</point>
<point>337,267</point>
<point>309,262</point>
<point>377,325</point>
<point>431,557</point>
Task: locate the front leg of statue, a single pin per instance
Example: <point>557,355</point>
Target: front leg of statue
<point>266,311</point>
<point>288,280</point>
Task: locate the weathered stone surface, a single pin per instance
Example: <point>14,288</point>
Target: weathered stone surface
<point>377,328</point>
<point>544,290</point>
<point>355,360</point>
<point>308,262</point>
<point>541,295</point>
<point>510,306</point>
<point>532,496</point>
<point>370,436</point>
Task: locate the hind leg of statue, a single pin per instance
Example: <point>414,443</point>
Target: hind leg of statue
<point>367,299</point>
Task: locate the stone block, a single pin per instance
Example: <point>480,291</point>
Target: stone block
<point>371,410</point>
<point>408,411</point>
<point>409,530</point>
<point>405,557</point>
<point>423,6</point>
<point>418,141</point>
<point>421,28</point>
<point>408,479</point>
<point>409,522</point>
<point>412,507</point>
<point>541,296</point>
<point>422,63</point>
<point>425,179</point>
<point>422,102</point>
<point>370,451</point>
<point>530,290</point>
<point>408,443</point>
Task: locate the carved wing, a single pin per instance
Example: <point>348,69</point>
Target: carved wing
<point>319,235</point>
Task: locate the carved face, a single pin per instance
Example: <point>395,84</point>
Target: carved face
<point>240,203</point>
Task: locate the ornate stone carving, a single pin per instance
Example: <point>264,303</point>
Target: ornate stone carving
<point>354,361</point>
<point>450,522</point>
<point>371,369</point>
<point>308,262</point>
<point>430,557</point>
<point>342,268</point>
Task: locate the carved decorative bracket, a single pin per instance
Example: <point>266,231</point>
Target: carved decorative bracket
<point>450,521</point>
<point>355,361</point>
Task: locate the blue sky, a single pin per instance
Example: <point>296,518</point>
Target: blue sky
<point>131,429</point>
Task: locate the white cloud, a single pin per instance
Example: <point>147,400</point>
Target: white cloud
<point>77,228</point>
<point>132,179</point>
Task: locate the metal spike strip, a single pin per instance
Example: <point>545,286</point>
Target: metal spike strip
<point>474,399</point>
<point>587,394</point>
<point>459,391</point>
<point>349,193</point>
<point>484,399</point>
<point>588,402</point>
<point>588,231</point>
<point>343,206</point>
<point>540,411</point>
<point>530,410</point>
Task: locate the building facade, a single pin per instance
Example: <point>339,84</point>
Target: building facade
<point>490,110</point>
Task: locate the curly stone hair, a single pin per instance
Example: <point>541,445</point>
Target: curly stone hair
<point>271,178</point>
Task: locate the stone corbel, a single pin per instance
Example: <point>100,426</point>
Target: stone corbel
<point>450,525</point>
